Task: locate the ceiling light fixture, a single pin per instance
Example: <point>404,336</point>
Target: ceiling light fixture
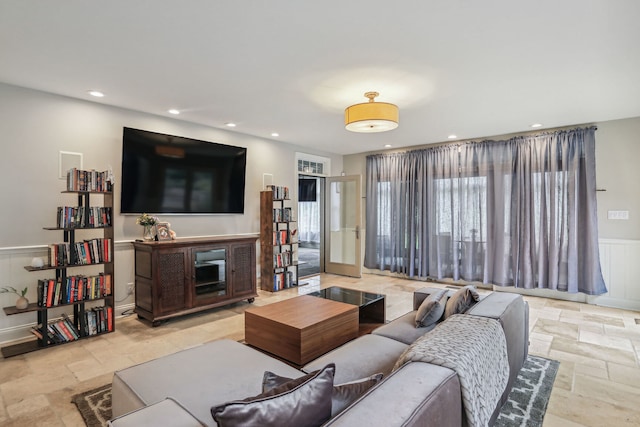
<point>96,93</point>
<point>536,125</point>
<point>452,137</point>
<point>231,125</point>
<point>371,116</point>
<point>174,111</point>
<point>275,134</point>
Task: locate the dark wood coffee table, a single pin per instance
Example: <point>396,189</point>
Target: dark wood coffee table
<point>300,329</point>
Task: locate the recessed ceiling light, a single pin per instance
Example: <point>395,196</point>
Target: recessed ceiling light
<point>174,111</point>
<point>275,134</point>
<point>96,93</point>
<point>452,137</point>
<point>536,125</point>
<point>387,145</point>
<point>231,125</point>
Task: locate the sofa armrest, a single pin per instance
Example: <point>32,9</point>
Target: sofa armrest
<point>167,412</point>
<point>418,394</point>
<point>512,312</point>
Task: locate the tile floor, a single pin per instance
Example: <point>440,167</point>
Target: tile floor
<point>598,383</point>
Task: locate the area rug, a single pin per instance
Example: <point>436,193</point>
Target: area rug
<point>94,405</point>
<point>525,407</point>
<point>529,396</point>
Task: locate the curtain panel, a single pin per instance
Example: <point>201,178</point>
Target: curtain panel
<point>519,212</point>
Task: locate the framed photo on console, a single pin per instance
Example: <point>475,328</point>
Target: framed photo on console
<point>163,232</point>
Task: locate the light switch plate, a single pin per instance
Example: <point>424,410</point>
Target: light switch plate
<point>617,214</point>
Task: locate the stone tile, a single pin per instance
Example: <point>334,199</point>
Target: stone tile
<point>591,371</point>
<point>564,378</point>
<point>562,356</point>
<point>608,391</point>
<point>606,341</point>
<point>551,420</point>
<point>590,412</point>
<point>630,332</point>
<point>624,374</point>
<point>17,390</point>
<point>563,305</point>
<point>556,328</point>
<point>27,405</point>
<point>594,351</point>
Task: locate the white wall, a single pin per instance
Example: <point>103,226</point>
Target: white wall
<point>617,172</point>
<point>36,126</point>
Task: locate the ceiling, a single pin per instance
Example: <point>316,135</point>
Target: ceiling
<point>463,67</point>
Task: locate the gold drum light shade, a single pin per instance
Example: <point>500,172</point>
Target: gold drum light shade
<point>371,116</point>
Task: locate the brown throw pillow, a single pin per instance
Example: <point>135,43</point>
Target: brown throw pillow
<point>461,301</point>
<point>306,404</point>
<point>431,309</point>
<point>343,395</point>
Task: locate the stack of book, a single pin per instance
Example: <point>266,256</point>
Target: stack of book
<point>279,193</point>
<point>58,331</point>
<point>91,180</point>
<point>52,292</point>
<point>82,217</point>
<point>91,251</point>
<point>98,320</point>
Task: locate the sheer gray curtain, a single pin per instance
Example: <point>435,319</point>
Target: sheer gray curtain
<point>519,212</point>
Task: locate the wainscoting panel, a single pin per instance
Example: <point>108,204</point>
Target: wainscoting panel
<point>620,261</point>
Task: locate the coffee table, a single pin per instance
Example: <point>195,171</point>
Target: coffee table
<point>300,329</point>
<point>371,306</point>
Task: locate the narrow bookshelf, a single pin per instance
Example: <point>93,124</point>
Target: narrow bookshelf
<point>278,241</point>
<point>88,299</point>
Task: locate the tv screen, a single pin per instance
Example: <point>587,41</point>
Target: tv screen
<point>306,190</point>
<point>172,174</point>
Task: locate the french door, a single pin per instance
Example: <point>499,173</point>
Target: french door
<point>343,225</point>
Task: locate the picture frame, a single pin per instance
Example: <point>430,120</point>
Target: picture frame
<point>163,231</point>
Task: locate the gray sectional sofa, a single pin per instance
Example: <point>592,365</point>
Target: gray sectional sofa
<point>180,389</point>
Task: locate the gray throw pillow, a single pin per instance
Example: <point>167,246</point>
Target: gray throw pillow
<point>461,301</point>
<point>431,309</point>
<point>308,403</point>
<point>343,395</point>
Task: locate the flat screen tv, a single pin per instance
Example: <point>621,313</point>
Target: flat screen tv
<point>166,174</point>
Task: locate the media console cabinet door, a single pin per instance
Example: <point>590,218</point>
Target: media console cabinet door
<point>171,279</point>
<point>243,268</point>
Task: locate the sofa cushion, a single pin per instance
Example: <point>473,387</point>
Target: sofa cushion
<point>232,371</point>
<point>364,356</point>
<point>343,395</point>
<point>463,299</point>
<point>307,403</point>
<point>166,413</point>
<point>403,329</point>
<point>431,309</point>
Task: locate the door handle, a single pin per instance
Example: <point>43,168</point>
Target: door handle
<point>357,232</point>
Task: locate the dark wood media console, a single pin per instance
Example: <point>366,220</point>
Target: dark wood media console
<point>184,276</point>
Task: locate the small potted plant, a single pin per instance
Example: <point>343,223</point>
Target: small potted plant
<point>147,221</point>
<point>22,302</point>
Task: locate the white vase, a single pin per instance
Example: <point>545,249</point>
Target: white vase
<point>22,303</point>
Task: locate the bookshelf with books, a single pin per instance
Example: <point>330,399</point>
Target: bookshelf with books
<point>278,241</point>
<point>86,298</point>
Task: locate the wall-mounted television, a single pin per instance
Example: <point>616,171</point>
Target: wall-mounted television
<point>167,174</point>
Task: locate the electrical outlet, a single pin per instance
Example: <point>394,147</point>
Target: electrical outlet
<point>129,288</point>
